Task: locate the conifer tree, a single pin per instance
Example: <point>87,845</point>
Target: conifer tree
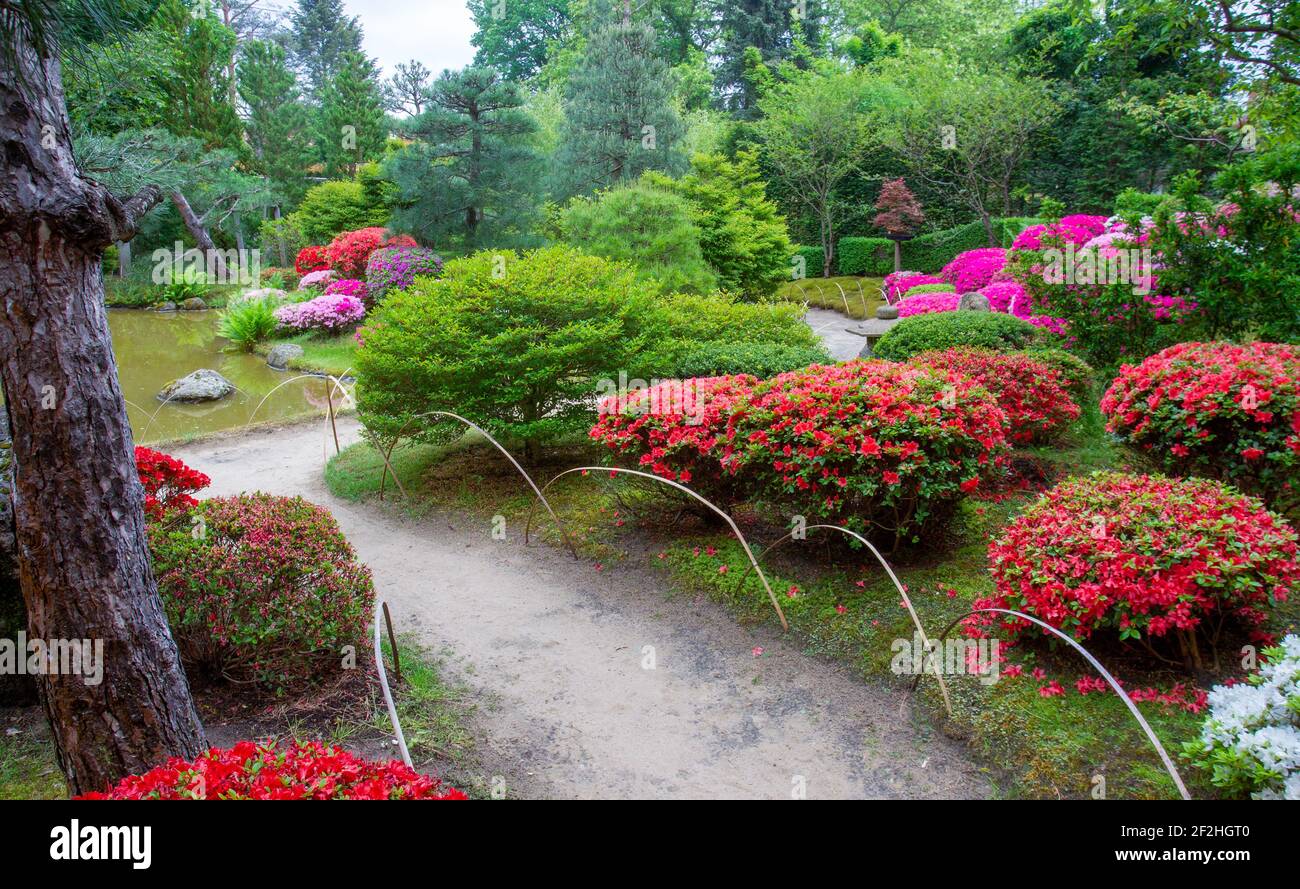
<point>278,124</point>
<point>353,127</point>
<point>619,116</point>
<point>470,174</point>
<point>320,37</point>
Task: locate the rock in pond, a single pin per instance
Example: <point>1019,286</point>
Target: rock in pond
<point>281,354</point>
<point>202,385</point>
<point>167,306</point>
<point>194,304</point>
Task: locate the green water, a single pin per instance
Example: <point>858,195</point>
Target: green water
<point>154,348</point>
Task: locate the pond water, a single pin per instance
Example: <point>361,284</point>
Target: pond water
<point>154,348</point>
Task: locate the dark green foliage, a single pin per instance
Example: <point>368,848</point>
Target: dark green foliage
<point>932,251</point>
<point>319,37</point>
<point>278,125</point>
<point>619,120</point>
<point>516,37</point>
<point>943,330</point>
<point>814,260</point>
<point>873,257</point>
<point>760,359</point>
<point>353,128</point>
<point>470,178</point>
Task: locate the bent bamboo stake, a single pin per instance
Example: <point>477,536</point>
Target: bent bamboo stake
<point>727,518</point>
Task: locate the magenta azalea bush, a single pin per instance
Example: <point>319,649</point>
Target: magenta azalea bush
<point>898,283</point>
<point>331,311</point>
<point>924,303</point>
<point>398,267</point>
<point>1008,297</point>
<point>974,269</point>
<point>346,287</point>
<point>1077,229</point>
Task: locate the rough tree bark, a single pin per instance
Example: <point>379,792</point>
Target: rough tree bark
<point>78,506</point>
<point>198,228</point>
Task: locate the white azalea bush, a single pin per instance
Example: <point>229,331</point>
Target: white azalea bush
<point>1251,739</point>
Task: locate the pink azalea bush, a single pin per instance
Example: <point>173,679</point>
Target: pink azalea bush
<point>1008,297</point>
<point>898,283</point>
<point>318,278</point>
<point>974,269</point>
<point>347,287</point>
<point>331,311</point>
<point>924,303</point>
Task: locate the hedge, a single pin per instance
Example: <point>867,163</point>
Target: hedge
<point>814,260</point>
<point>931,252</point>
<point>872,257</point>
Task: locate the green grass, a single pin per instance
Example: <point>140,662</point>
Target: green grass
<point>1039,747</point>
<point>322,353</point>
<point>28,769</point>
<point>856,297</point>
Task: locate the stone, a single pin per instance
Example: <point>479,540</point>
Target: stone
<point>281,354</point>
<point>887,312</point>
<point>167,306</point>
<point>975,302</point>
<point>194,304</point>
<point>202,385</point>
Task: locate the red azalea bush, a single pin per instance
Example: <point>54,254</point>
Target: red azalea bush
<point>873,445</point>
<point>349,252</point>
<point>676,429</point>
<point>296,770</point>
<point>262,588</point>
<point>1217,410</point>
<point>311,259</point>
<point>1031,393</point>
<point>1144,556</point>
<point>168,483</point>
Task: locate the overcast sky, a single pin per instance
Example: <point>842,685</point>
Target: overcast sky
<point>436,32</point>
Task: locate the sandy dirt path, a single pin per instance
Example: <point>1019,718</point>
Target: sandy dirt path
<point>552,652</point>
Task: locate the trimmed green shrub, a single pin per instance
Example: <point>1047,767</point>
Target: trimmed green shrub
<point>692,318</point>
<point>757,358</point>
<point>645,225</point>
<point>943,330</point>
<point>333,207</point>
<point>1077,375</point>
<point>814,259</point>
<point>872,257</point>
<point>932,251</point>
<point>271,591</point>
<point>929,288</point>
<point>514,342</point>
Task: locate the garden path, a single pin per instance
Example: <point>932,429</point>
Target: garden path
<point>551,651</point>
<point>832,328</point>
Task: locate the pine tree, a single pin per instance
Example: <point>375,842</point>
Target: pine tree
<point>619,116</point>
<point>352,125</point>
<point>320,37</point>
<point>197,50</point>
<point>278,124</point>
<point>470,175</point>
<point>407,91</point>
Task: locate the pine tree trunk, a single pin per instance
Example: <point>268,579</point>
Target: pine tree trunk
<point>78,505</point>
<point>202,237</point>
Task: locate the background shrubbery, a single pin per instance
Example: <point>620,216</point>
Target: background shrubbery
<point>943,330</point>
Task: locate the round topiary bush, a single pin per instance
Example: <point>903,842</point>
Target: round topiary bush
<point>1217,410</point>
<point>292,770</point>
<point>261,588</point>
<point>939,287</point>
<point>1029,392</point>
<point>396,268</point>
<point>1143,557</point>
<point>677,429</point>
<point>943,330</point>
<point>1076,375</point>
<point>876,446</point>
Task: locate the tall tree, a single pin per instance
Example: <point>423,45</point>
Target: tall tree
<point>470,175</point>
<point>516,37</point>
<point>278,125</point>
<point>619,117</point>
<point>352,123</point>
<point>761,24</point>
<point>815,137</point>
<point>79,506</point>
<point>407,91</point>
<point>320,36</point>
<point>198,50</point>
